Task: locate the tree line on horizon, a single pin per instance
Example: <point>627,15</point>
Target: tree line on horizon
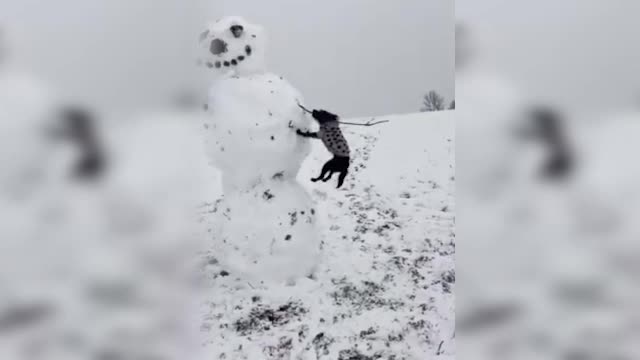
<point>433,101</point>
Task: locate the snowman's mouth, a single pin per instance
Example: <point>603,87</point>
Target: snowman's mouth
<point>219,47</point>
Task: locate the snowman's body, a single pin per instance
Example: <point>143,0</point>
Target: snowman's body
<point>264,226</point>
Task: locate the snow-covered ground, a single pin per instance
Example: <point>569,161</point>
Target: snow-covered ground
<point>385,287</point>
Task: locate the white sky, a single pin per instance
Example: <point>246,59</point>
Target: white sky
<point>355,57</point>
<point>581,54</point>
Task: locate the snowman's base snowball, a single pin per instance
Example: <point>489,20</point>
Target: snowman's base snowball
<point>268,233</point>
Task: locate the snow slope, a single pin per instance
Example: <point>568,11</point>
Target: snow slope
<point>386,283</point>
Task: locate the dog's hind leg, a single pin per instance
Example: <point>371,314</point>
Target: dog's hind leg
<point>325,170</point>
<point>341,178</point>
<point>326,178</point>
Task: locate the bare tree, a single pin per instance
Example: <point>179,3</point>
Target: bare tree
<point>433,102</point>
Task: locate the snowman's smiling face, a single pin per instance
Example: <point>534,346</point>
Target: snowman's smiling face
<point>233,44</point>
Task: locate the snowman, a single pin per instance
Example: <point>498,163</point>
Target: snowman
<point>265,223</point>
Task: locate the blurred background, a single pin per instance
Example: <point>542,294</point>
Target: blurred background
<point>357,58</point>
<point>578,53</point>
<point>547,116</point>
<point>547,195</point>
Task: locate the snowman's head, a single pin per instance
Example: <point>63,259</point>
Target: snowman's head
<point>233,44</point>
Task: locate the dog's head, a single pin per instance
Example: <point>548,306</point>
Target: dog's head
<point>323,116</point>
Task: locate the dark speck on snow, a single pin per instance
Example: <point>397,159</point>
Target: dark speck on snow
<point>267,195</point>
<point>264,318</point>
<point>294,217</point>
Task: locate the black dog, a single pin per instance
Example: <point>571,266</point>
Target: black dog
<point>547,126</point>
<point>335,142</point>
<point>79,127</point>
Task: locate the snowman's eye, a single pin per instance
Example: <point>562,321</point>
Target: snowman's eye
<point>237,30</point>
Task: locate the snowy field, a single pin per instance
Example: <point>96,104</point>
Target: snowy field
<point>385,287</point>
